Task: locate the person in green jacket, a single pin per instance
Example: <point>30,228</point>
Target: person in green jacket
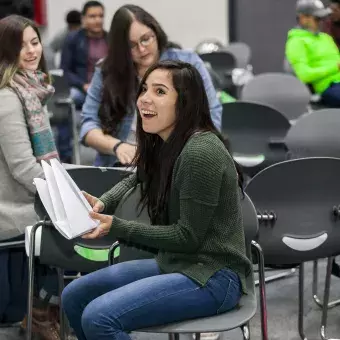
<point>191,187</point>
<point>313,55</point>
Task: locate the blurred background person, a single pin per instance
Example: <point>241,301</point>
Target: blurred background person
<point>313,55</point>
<point>82,50</point>
<point>73,22</point>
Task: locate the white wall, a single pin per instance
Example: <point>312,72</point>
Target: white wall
<point>185,21</point>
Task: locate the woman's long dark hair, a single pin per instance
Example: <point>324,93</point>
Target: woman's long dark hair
<point>120,80</point>
<point>155,159</point>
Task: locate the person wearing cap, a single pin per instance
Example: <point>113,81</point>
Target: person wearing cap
<point>331,25</point>
<point>313,55</point>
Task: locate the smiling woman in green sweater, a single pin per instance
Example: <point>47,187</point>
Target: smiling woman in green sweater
<point>190,186</point>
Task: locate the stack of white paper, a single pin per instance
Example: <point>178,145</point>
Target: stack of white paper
<point>64,202</point>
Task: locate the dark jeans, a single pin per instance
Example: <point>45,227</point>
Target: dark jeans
<point>14,282</point>
<point>64,141</point>
<point>331,97</point>
<point>111,302</point>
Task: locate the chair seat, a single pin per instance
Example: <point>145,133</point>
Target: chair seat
<point>219,323</point>
<point>95,244</point>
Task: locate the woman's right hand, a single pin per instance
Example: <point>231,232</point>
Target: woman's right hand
<point>96,204</point>
<point>126,153</point>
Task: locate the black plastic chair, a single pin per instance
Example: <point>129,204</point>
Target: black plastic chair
<point>256,133</point>
<point>62,110</point>
<point>59,105</point>
<point>297,203</point>
<point>284,92</point>
<point>215,77</point>
<point>241,52</point>
<point>222,63</point>
<point>59,252</point>
<point>315,135</point>
<point>238,317</point>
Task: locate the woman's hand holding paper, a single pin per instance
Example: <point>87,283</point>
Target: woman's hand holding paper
<point>103,228</point>
<point>96,204</point>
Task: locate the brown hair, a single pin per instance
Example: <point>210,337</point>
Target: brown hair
<point>120,80</point>
<point>11,34</point>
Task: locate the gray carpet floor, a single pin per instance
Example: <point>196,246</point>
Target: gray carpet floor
<point>282,304</point>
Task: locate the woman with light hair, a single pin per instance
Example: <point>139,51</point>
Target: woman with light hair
<point>25,139</point>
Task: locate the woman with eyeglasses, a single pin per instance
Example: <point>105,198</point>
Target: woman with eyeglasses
<point>136,41</point>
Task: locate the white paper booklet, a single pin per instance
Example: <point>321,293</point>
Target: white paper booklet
<point>64,202</point>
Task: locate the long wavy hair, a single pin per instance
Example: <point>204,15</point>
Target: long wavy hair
<point>120,81</point>
<point>11,35</point>
<point>155,158</point>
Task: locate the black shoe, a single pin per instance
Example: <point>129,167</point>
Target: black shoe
<point>335,269</point>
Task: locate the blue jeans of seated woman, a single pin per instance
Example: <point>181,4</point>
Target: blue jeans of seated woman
<point>111,302</point>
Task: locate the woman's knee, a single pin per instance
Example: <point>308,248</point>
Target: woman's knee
<point>69,295</point>
<point>96,322</point>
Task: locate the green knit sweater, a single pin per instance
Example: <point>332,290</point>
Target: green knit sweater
<point>205,232</point>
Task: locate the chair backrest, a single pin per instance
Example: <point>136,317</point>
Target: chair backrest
<point>60,112</point>
<point>251,127</point>
<point>57,250</point>
<point>215,77</point>
<point>298,207</point>
<point>96,181</point>
<point>61,86</point>
<point>222,62</point>
<point>250,221</point>
<point>315,135</point>
<point>241,52</point>
<point>282,91</point>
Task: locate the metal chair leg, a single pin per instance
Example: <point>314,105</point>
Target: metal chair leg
<point>62,316</point>
<point>76,147</point>
<point>326,299</point>
<point>112,259</point>
<point>301,301</point>
<point>315,289</point>
<point>245,331</point>
<point>282,275</point>
<point>31,272</point>
<point>262,288</point>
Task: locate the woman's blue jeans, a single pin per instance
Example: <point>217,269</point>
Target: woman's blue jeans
<point>111,302</point>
